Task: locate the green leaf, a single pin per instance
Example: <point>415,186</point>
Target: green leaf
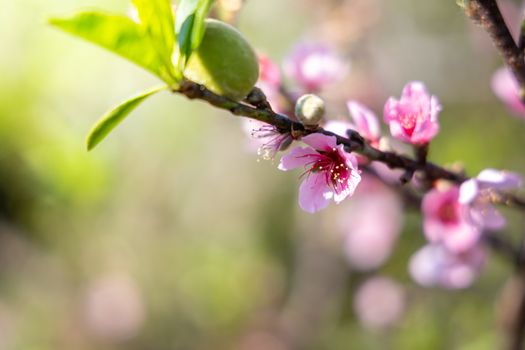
<point>112,118</point>
<point>156,16</point>
<point>120,35</point>
<point>190,27</point>
<point>199,26</point>
<point>183,28</point>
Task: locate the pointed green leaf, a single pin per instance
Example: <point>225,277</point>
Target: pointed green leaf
<point>112,118</point>
<point>190,27</point>
<point>156,16</point>
<point>199,26</point>
<point>183,28</point>
<point>120,35</point>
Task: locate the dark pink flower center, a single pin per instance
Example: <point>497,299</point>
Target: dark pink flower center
<point>448,212</point>
<point>333,166</point>
<point>408,122</point>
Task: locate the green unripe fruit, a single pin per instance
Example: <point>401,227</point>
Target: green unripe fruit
<point>224,62</point>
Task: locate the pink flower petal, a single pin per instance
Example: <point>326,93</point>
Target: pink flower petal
<point>348,191</point>
<point>506,88</point>
<point>468,191</point>
<point>486,216</point>
<point>501,180</point>
<point>390,110</point>
<point>339,127</point>
<point>426,131</point>
<point>414,90</point>
<point>365,120</point>
<point>414,118</point>
<point>424,266</point>
<point>446,221</point>
<point>433,265</point>
<point>269,72</point>
<point>320,142</point>
<point>297,157</point>
<point>461,238</point>
<point>397,131</point>
<point>314,194</point>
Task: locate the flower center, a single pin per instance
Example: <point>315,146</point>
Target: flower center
<point>334,167</point>
<point>447,213</point>
<point>408,122</point>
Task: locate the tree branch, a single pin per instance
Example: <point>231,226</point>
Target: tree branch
<point>353,143</point>
<point>487,14</point>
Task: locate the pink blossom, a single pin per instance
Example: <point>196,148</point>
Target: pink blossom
<point>506,87</point>
<point>390,176</point>
<point>314,66</point>
<point>446,220</point>
<point>269,72</point>
<point>379,302</point>
<point>339,127</point>
<point>371,224</point>
<point>266,139</point>
<point>364,121</point>
<point>270,82</point>
<point>477,192</point>
<point>330,172</point>
<point>435,266</point>
<point>114,308</point>
<point>414,118</point>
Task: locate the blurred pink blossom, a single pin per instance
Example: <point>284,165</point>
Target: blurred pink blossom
<point>413,118</point>
<point>269,72</point>
<point>314,66</point>
<point>266,138</point>
<point>270,82</point>
<point>387,174</point>
<point>113,308</point>
<point>339,127</point>
<point>379,303</point>
<point>435,266</point>
<point>446,220</point>
<point>371,224</point>
<point>8,329</point>
<point>330,172</point>
<point>365,121</point>
<point>476,193</point>
<point>506,88</point>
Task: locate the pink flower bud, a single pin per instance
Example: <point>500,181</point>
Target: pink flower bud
<point>506,88</point>
<point>413,118</point>
<point>365,121</point>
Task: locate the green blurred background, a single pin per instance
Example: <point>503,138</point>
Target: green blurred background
<point>171,235</point>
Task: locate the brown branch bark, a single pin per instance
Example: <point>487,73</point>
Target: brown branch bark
<point>353,143</point>
<point>487,14</point>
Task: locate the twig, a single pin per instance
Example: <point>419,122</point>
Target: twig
<point>353,143</point>
<point>487,14</point>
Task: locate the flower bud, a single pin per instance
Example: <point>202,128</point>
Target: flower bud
<point>310,109</point>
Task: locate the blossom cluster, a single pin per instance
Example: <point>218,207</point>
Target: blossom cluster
<point>455,217</point>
